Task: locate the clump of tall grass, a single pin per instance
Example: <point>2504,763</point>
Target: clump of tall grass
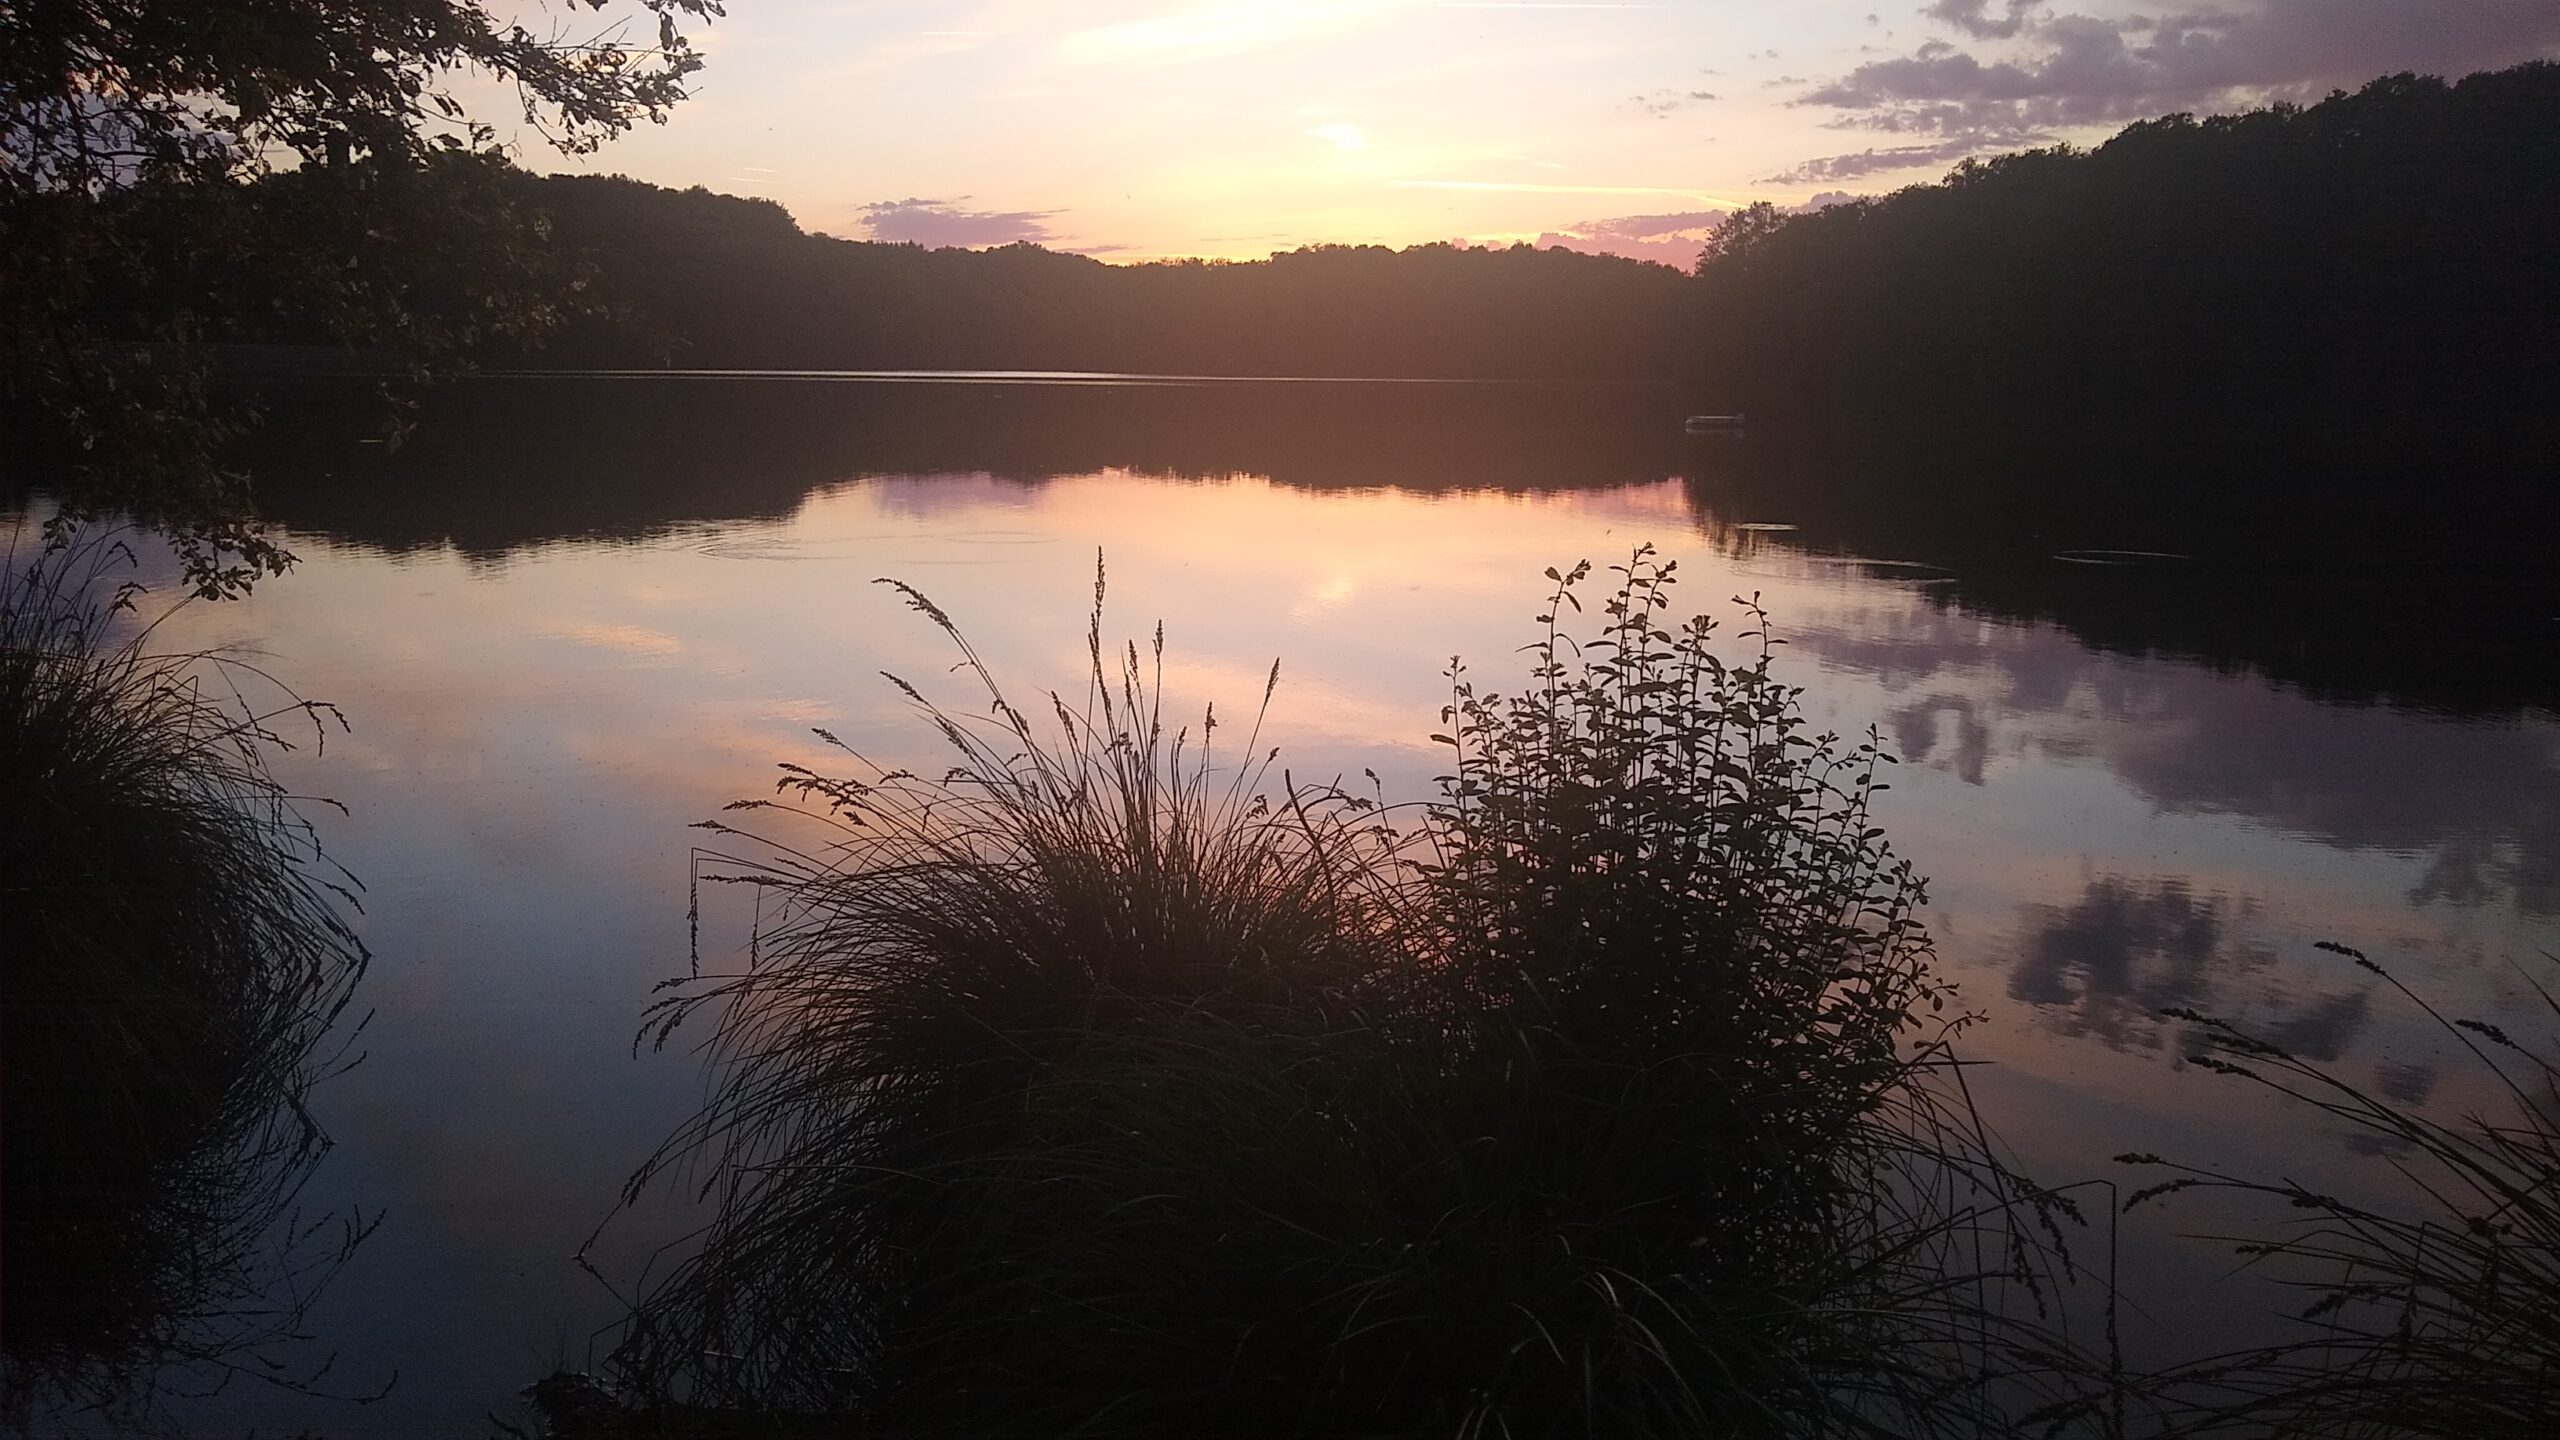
<point>174,956</point>
<point>942,947</point>
<point>1079,1090</point>
<point>2433,1314</point>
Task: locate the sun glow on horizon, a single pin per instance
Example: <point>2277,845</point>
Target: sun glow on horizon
<point>1236,128</point>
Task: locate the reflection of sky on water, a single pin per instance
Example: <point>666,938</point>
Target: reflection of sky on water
<point>2111,960</point>
<point>2478,800</point>
<point>2106,835</point>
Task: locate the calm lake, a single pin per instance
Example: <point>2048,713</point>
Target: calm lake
<point>571,617</point>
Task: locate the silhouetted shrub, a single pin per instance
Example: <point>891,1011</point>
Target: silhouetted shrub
<point>1702,1001</point>
<point>2223,278</point>
<point>1079,1091</point>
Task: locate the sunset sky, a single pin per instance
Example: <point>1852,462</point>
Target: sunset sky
<point>1140,128</point>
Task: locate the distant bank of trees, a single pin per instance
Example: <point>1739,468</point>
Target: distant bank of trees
<point>718,281</point>
<point>2335,270</point>
<point>2336,273</point>
<point>2248,318</point>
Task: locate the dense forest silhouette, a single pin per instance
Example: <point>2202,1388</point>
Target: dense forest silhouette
<point>2311,351</point>
<point>2318,284</point>
<point>2324,275</point>
<point>716,281</point>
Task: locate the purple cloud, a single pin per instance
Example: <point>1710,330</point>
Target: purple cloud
<point>1831,169</point>
<point>2062,71</point>
<point>2480,803</point>
<point>2111,962</point>
<point>1660,103</point>
<point>1969,17</point>
<point>1672,239</point>
<point>941,224</point>
<point>1650,227</point>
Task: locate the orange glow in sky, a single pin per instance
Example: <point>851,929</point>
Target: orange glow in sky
<point>1141,128</point>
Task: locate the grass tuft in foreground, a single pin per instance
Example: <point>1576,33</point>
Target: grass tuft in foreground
<point>949,959</point>
<point>175,955</point>
<point>1081,1091</point>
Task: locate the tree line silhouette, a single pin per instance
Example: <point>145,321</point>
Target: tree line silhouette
<point>699,279</point>
<point>2309,350</point>
<point>2317,283</point>
<point>2337,271</point>
<point>2308,286</point>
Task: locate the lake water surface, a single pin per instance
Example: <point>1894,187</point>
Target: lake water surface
<point>570,624</point>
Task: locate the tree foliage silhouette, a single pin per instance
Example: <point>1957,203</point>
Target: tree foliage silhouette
<point>726,282</point>
<point>321,145</point>
<point>2342,270</point>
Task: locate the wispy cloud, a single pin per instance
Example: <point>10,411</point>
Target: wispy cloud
<point>1886,159</point>
<point>1671,239</point>
<point>943,223</point>
<point>1973,17</point>
<point>2046,72</point>
<point>1661,103</point>
<point>1652,227</point>
<point>1342,135</point>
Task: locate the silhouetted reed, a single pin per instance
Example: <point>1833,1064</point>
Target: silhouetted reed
<point>1082,1091</point>
<point>2433,1313</point>
<point>175,956</point>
